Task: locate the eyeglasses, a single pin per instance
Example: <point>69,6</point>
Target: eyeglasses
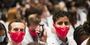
<point>18,29</point>
<point>66,23</point>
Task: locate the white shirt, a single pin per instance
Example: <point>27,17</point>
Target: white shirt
<point>27,38</point>
<point>85,42</point>
<point>81,12</point>
<point>52,39</point>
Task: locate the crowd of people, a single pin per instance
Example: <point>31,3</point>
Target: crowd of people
<point>44,22</point>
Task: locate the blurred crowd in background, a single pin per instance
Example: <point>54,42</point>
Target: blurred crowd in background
<point>39,22</point>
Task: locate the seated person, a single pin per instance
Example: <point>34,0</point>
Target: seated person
<point>61,27</point>
<point>3,35</point>
<point>16,30</point>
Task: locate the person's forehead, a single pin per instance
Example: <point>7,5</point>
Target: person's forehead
<point>18,24</point>
<point>63,18</point>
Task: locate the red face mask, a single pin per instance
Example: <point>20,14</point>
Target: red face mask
<point>61,31</point>
<point>17,36</point>
<point>33,33</point>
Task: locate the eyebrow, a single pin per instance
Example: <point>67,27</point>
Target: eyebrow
<point>61,22</point>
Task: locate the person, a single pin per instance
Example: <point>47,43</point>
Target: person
<point>82,33</point>
<point>36,29</point>
<point>16,31</point>
<point>81,11</point>
<point>30,18</point>
<point>61,27</point>
<point>11,15</point>
<point>33,23</point>
<point>3,35</point>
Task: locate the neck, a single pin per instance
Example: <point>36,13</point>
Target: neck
<point>14,43</point>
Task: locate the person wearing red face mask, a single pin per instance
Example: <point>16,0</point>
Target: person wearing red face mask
<point>61,24</point>
<point>61,27</point>
<point>36,30</point>
<point>16,30</point>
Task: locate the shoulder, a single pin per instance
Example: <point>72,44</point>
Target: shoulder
<point>85,41</point>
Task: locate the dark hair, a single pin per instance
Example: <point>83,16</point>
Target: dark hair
<point>54,2</point>
<point>37,9</point>
<point>33,10</point>
<point>80,34</point>
<point>57,14</point>
<point>16,20</point>
<point>88,15</point>
<point>80,3</point>
<point>86,24</point>
<point>86,27</point>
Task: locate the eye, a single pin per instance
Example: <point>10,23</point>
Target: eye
<point>22,30</point>
<point>15,29</point>
<point>60,23</point>
<point>66,23</point>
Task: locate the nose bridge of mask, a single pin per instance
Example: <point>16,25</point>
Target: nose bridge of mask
<point>63,28</point>
<point>19,33</point>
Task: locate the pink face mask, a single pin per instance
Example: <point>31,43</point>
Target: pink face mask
<point>17,36</point>
<point>61,31</point>
<point>33,33</point>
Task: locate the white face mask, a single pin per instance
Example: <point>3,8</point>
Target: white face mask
<point>2,38</point>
